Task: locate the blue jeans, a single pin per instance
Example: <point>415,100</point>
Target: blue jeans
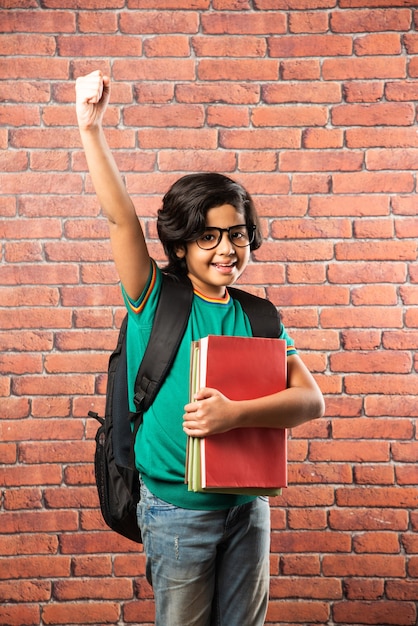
<point>207,568</point>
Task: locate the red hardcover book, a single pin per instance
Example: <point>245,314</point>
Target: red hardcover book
<point>243,460</point>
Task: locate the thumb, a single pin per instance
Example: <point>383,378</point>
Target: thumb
<point>204,392</point>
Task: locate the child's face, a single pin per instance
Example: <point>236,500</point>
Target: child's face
<point>212,270</point>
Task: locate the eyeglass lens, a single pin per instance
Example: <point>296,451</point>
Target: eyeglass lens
<point>239,235</point>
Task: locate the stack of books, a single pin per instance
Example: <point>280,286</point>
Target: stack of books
<point>250,460</point>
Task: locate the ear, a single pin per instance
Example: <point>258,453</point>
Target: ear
<point>180,252</point>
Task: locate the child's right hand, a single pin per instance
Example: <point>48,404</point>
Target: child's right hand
<point>92,97</point>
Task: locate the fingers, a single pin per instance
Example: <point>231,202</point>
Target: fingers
<point>90,88</point>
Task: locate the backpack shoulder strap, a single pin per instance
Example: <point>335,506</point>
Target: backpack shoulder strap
<point>263,315</point>
<point>169,325</point>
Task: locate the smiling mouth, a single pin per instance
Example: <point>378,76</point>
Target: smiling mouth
<point>225,268</point>
<point>231,264</point>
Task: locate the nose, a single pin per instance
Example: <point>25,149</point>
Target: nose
<point>225,245</point>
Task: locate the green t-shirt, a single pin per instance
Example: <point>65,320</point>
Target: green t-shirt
<point>160,447</point>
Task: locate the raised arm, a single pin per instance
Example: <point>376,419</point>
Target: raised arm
<point>130,251</point>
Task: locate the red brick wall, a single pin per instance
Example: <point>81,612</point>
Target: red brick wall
<point>312,105</point>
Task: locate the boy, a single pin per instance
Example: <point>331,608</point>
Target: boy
<point>207,554</point>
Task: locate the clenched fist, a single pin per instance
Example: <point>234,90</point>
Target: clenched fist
<point>92,97</point>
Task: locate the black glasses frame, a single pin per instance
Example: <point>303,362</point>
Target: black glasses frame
<point>221,231</point>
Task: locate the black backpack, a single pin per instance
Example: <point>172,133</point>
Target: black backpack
<point>117,479</point>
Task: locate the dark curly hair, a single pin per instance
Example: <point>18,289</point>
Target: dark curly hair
<point>182,217</point>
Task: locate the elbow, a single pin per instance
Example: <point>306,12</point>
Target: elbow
<point>319,406</point>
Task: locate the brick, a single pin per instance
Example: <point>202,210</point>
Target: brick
<point>308,22</point>
<point>39,22</point>
<point>289,116</point>
<point>391,251</point>
<point>259,139</point>
<point>255,161</point>
<point>351,451</point>
<point>300,69</point>
<point>231,93</point>
<point>295,318</point>
<point>30,591</point>
<point>396,339</point>
<point>27,45</point>
<point>137,610</point>
<point>374,229</point>
<point>405,452</point>
<point>97,22</point>
<point>151,22</point>
<point>386,384</point>
<point>400,90</point>
<point>186,138</point>
<point>81,613</point>
<point>363,565</point>
<point>311,541</point>
<point>372,114</point>
<point>374,475</point>
<point>372,519</point>
<point>227,116</point>
<point>387,137</point>
<point>37,67</point>
<point>363,589</point>
<point>27,229</point>
<point>363,68</point>
<point>363,91</point>
<point>19,115</point>
<point>371,272</point>
<point>363,21</point>
<point>288,251</point>
<point>310,45</point>
<point>92,565</point>
<point>306,273</point>
<point>377,44</point>
<point>48,452</point>
<point>243,46</point>
<point>305,588</point>
<point>401,590</point>
<point>33,543</point>
<point>320,138</point>
<point>361,318</point>
<point>238,69</point>
<point>318,473</point>
<point>300,564</point>
<point>20,614</point>
<point>383,542</point>
<point>22,499</point>
<point>388,612</point>
<point>36,566</point>
<point>317,161</point>
<point>406,475</point>
<point>240,24</point>
<point>97,46</point>
<point>378,497</point>
<point>93,588</point>
<point>370,295</point>
<point>168,4</point>
<point>349,205</point>
<point>398,362</point>
<point>153,69</point>
<point>311,183</point>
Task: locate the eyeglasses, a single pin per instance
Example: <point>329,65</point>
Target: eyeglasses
<point>240,236</point>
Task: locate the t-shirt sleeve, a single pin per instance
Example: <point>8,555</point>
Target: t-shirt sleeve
<point>144,306</point>
<point>289,341</point>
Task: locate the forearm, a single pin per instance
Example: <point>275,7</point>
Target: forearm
<point>287,409</point>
